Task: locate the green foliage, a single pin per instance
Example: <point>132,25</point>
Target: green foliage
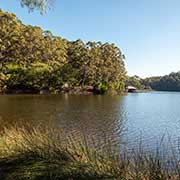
<point>102,87</point>
<point>118,86</point>
<point>37,76</point>
<point>94,64</point>
<point>169,82</point>
<point>33,59</point>
<point>134,81</point>
<point>151,82</point>
<point>41,5</point>
<point>15,76</point>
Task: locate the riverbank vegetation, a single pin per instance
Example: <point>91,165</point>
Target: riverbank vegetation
<point>47,153</point>
<point>134,81</point>
<point>169,82</point>
<point>33,60</point>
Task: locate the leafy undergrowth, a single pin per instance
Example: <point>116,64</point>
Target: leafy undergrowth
<point>49,154</point>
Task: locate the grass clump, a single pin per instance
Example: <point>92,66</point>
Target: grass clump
<point>44,153</point>
<point>47,153</point>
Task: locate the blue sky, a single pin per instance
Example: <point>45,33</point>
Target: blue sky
<point>147,31</point>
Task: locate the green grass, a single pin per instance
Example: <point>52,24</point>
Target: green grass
<point>43,153</point>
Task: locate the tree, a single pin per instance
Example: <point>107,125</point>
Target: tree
<point>11,38</point>
<point>33,59</point>
<point>73,71</point>
<point>134,81</point>
<point>94,64</point>
<point>26,52</point>
<point>105,65</point>
<point>169,82</point>
<point>41,5</point>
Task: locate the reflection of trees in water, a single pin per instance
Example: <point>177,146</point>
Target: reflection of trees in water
<point>26,108</point>
<point>96,117</point>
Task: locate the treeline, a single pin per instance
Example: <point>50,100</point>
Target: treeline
<point>34,60</point>
<point>134,81</point>
<point>169,82</point>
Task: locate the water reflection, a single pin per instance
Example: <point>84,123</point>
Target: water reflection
<point>100,117</point>
<point>145,116</point>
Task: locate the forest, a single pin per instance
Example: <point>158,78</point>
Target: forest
<point>169,82</point>
<point>34,60</point>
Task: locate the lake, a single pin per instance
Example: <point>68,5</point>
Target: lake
<point>131,118</point>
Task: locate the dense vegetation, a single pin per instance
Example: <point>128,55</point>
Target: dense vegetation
<point>34,60</point>
<point>44,153</point>
<point>169,82</point>
<point>134,81</point>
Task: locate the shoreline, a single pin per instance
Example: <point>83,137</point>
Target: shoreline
<point>74,91</point>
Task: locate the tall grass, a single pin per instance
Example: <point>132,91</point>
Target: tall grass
<point>43,153</point>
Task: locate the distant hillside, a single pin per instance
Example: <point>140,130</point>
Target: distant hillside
<point>169,82</point>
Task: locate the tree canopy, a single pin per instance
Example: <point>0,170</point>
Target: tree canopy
<point>169,82</point>
<point>41,5</point>
<point>33,59</point>
<point>134,81</point>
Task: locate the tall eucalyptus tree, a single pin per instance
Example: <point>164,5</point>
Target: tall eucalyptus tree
<point>40,5</point>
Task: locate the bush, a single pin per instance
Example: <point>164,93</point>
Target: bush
<point>119,86</point>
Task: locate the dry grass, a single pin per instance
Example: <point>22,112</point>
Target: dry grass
<point>42,153</point>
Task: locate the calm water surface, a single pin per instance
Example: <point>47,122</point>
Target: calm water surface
<point>138,116</point>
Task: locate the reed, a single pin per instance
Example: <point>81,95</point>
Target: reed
<point>49,153</point>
